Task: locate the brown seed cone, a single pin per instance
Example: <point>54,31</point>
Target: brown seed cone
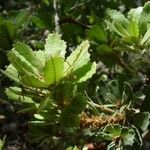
<point>100,121</point>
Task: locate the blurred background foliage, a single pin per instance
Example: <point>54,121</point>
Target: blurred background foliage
<point>77,20</point>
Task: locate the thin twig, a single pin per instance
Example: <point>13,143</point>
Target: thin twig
<point>73,21</point>
<point>79,5</point>
<point>89,103</point>
<point>101,107</point>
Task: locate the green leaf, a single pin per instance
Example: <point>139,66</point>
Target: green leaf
<point>1,144</point>
<point>104,49</point>
<point>78,104</point>
<point>11,30</point>
<point>21,64</point>
<point>146,37</point>
<point>21,18</point>
<point>130,40</point>
<point>38,131</point>
<point>70,114</point>
<point>78,58</point>
<point>138,137</point>
<point>54,69</point>
<point>29,55</point>
<point>122,30</point>
<point>114,130</point>
<point>118,29</point>
<point>25,92</point>
<point>38,116</point>
<point>27,73</point>
<point>7,35</point>
<point>13,93</point>
<point>67,88</point>
<point>111,146</point>
<point>33,81</point>
<point>68,119</point>
<point>134,14</point>
<point>144,18</point>
<point>12,73</point>
<point>133,28</point>
<point>50,113</point>
<point>105,136</point>
<point>98,34</point>
<point>27,108</point>
<point>118,17</point>
<point>41,56</point>
<point>142,120</point>
<point>38,22</point>
<point>55,46</point>
<point>85,72</point>
<point>44,103</point>
<point>128,135</point>
<point>16,90</point>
